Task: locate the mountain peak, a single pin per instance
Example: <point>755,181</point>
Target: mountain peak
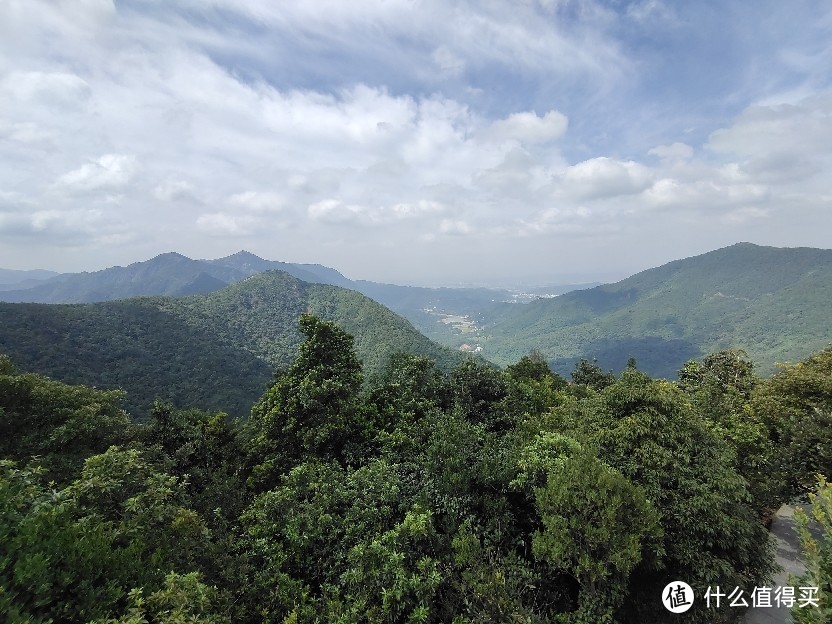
<point>243,255</point>
<point>170,255</point>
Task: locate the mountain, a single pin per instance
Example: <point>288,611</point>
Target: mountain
<point>169,274</point>
<point>246,263</point>
<point>772,302</point>
<point>215,351</point>
<point>11,279</point>
<point>175,275</point>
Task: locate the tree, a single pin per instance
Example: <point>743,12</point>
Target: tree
<point>59,423</point>
<point>731,369</point>
<point>598,526</point>
<point>589,374</point>
<point>204,448</point>
<point>796,407</point>
<point>184,598</point>
<point>73,554</point>
<point>532,386</point>
<point>410,388</point>
<point>532,367</point>
<point>313,409</point>
<point>817,553</point>
<point>340,545</point>
<point>648,431</point>
<point>476,388</point>
<point>719,389</point>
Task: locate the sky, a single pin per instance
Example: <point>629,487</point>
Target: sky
<point>413,141</point>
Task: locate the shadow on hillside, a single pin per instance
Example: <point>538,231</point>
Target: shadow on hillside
<point>658,357</point>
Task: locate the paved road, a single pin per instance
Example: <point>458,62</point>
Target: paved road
<point>789,558</point>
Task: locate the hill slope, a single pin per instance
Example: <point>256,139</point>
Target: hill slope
<point>175,275</point>
<point>214,351</point>
<point>771,302</point>
<point>169,274</point>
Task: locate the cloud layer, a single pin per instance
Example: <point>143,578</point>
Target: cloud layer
<point>432,142</point>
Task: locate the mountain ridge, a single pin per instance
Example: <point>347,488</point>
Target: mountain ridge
<point>173,274</point>
<point>215,350</point>
<point>770,301</point>
<point>737,296</point>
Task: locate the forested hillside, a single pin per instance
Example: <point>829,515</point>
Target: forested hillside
<point>216,351</point>
<point>422,496</point>
<point>771,302</point>
<point>175,275</point>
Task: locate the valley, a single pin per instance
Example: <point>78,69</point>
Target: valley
<point>770,302</point>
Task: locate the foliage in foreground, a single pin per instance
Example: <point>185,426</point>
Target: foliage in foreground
<point>818,554</point>
<point>476,496</point>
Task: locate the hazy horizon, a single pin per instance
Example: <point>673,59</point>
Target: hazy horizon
<point>519,282</point>
<point>530,281</point>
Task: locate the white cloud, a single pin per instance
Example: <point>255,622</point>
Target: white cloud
<point>68,227</point>
<point>476,35</point>
<point>654,10</point>
<point>110,171</point>
<point>381,123</point>
<point>804,129</point>
<point>674,152</point>
<point>456,227</point>
<point>57,89</point>
<point>335,211</point>
<point>223,224</point>
<point>26,132</point>
<point>743,215</point>
<point>174,190</point>
<point>605,177</point>
<point>528,128</point>
<point>62,25</point>
<point>706,196</point>
<point>417,209</point>
<point>258,201</point>
<point>448,63</point>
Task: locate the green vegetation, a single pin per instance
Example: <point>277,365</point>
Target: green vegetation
<point>215,351</point>
<point>770,302</point>
<point>414,495</point>
<point>818,554</point>
<point>169,274</point>
<point>773,303</point>
<point>175,275</point>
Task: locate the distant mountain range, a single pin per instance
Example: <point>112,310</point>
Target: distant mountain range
<point>15,280</point>
<point>215,351</point>
<point>175,275</point>
<point>774,303</point>
<point>169,274</point>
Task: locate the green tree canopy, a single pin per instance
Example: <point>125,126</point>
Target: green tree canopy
<point>313,409</point>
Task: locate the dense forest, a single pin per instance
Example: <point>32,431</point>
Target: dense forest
<point>473,495</point>
<point>771,302</point>
<point>212,351</point>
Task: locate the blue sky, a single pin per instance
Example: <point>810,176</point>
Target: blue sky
<point>413,141</point>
